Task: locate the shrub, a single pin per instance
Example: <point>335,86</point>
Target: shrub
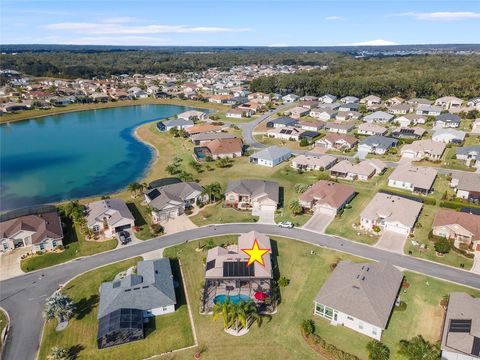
<point>401,307</point>
<point>378,351</point>
<point>283,282</point>
<point>442,246</point>
<point>308,327</point>
<point>156,229</point>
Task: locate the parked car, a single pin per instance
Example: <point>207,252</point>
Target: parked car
<point>286,224</point>
<point>124,237</point>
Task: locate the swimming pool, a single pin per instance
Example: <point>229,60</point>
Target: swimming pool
<point>233,298</point>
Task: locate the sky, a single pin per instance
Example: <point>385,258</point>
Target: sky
<point>239,22</point>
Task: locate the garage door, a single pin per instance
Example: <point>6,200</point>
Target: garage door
<point>397,229</point>
<point>408,155</point>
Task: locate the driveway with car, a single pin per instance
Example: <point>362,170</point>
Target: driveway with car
<point>392,241</point>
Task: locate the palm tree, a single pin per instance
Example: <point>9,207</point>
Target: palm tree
<point>225,310</point>
<point>295,207</point>
<point>74,210</point>
<point>59,306</point>
<point>214,191</point>
<point>135,188</point>
<point>418,348</point>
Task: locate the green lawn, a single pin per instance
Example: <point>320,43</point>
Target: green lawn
<point>166,333</point>
<point>217,214</point>
<point>75,246</point>
<point>342,225</point>
<point>270,141</point>
<point>281,337</point>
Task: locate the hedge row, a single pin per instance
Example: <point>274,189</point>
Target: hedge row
<point>332,349</point>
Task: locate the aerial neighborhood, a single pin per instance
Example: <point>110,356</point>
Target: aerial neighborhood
<point>382,192</point>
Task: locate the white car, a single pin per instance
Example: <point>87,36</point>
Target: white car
<point>286,224</point>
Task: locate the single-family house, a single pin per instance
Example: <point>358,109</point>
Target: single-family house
<point>390,213</point>
<point>447,121</point>
<point>327,197</point>
<point>285,133</point>
<point>259,96</point>
<point>327,99</point>
<point>192,115</point>
<point>371,129</point>
<point>466,185</point>
<point>461,328</point>
<point>178,124</point>
<point>290,98</point>
<point>348,107</point>
<point>360,296</point>
<point>414,132</point>
<point>460,227</point>
<point>126,302</point>
<point>423,149</point>
<point>449,136</point>
<point>348,115</point>
<point>449,102</point>
<point>476,127</point>
<point>227,274</point>
<point>203,138</point>
<point>413,178</point>
<point>42,231</point>
<point>378,116</point>
<point>371,101</point>
<point>298,112</point>
<point>249,194</point>
<point>170,201</point>
<point>311,125</point>
<point>376,144</point>
<point>271,156</point>
<point>109,217</point>
<point>474,102</point>
<point>339,127</point>
<point>419,101</point>
<point>469,154</point>
<point>429,110</point>
<point>336,141</point>
<point>349,99</point>
<point>410,119</point>
<point>282,121</point>
<point>219,149</point>
<point>322,114</point>
<point>362,171</point>
<point>202,128</point>
<point>400,109</point>
<point>396,100</point>
<point>308,104</point>
<point>313,162</point>
<point>239,113</point>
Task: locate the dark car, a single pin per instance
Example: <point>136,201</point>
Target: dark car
<point>124,237</point>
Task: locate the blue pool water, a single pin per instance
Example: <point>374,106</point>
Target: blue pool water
<point>233,298</point>
<point>74,155</point>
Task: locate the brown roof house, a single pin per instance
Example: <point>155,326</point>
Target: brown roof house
<point>461,328</point>
<point>202,128</point>
<point>463,228</point>
<point>41,231</point>
<point>252,194</point>
<point>327,196</point>
<point>228,276</point>
<point>311,163</point>
<point>423,149</point>
<point>390,213</point>
<point>219,148</point>
<point>466,185</point>
<point>336,141</point>
<point>360,296</point>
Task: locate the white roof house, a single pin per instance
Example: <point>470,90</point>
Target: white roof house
<point>413,178</point>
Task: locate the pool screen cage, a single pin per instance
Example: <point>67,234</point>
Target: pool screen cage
<point>119,327</point>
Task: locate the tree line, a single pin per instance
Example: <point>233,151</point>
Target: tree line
<point>429,76</point>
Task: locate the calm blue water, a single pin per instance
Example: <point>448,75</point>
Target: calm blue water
<point>74,155</point>
<point>234,299</point>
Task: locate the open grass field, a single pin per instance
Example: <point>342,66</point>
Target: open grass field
<point>164,334</point>
<point>30,114</point>
<point>75,246</point>
<point>307,271</point>
<point>270,141</point>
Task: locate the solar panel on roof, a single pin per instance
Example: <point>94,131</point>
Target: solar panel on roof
<point>460,326</point>
<point>237,269</point>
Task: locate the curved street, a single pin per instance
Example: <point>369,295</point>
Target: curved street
<point>23,297</point>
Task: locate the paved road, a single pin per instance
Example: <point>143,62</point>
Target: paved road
<point>23,297</point>
<point>247,128</point>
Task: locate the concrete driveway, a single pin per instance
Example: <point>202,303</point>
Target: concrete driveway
<point>264,216</point>
<point>319,221</point>
<point>392,241</point>
<point>180,223</point>
<point>476,261</point>
<point>10,263</point>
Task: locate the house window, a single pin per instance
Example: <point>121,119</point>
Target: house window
<point>350,318</point>
<point>374,331</point>
<point>320,309</point>
<point>232,197</point>
<point>360,325</point>
<point>165,308</point>
<point>42,247</point>
<point>96,228</point>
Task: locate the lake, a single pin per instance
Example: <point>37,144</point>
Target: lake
<point>74,155</point>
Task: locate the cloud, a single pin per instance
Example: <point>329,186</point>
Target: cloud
<point>378,42</point>
<point>334,18</point>
<point>122,28</point>
<point>443,16</point>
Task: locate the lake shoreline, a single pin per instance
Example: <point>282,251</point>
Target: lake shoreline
<point>28,115</point>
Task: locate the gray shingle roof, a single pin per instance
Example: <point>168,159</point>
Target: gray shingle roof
<point>451,118</point>
<point>172,194</point>
<point>272,153</point>
<point>366,291</point>
<point>254,188</point>
<point>379,141</point>
<point>151,287</point>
